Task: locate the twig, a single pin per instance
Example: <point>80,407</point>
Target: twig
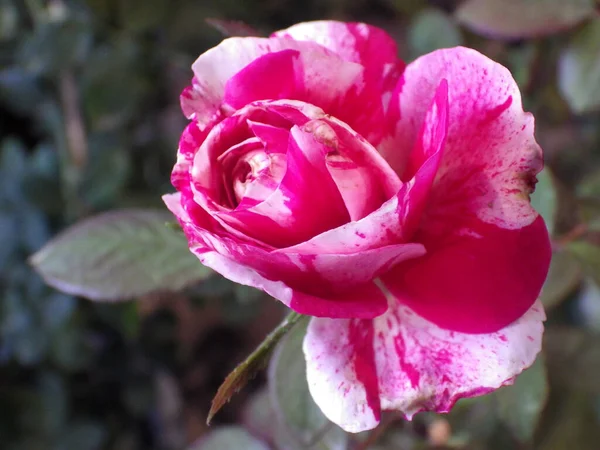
<point>74,126</point>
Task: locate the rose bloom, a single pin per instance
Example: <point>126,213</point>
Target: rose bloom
<point>390,202</point>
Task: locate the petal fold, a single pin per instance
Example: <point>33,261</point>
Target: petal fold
<point>400,361</point>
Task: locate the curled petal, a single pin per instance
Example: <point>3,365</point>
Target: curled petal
<point>492,251</point>
<point>400,361</point>
<point>333,285</point>
<point>357,42</point>
<point>483,281</point>
<point>242,70</point>
<point>491,156</point>
<point>397,218</point>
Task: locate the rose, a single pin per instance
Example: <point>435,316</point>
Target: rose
<point>393,205</point>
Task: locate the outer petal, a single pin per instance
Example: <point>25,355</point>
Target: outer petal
<point>400,361</point>
<point>242,70</point>
<point>357,42</point>
<point>321,285</point>
<point>491,156</point>
<point>488,251</point>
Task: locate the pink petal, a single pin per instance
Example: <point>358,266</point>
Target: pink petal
<point>242,70</point>
<point>491,156</point>
<point>296,210</point>
<point>487,250</point>
<point>357,42</point>
<point>320,285</point>
<point>363,177</point>
<point>478,282</point>
<point>395,221</point>
<point>400,361</point>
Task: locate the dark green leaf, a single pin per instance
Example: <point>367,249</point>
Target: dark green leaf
<point>588,253</point>
<point>573,358</point>
<point>579,69</point>
<point>245,371</point>
<point>544,198</point>
<point>520,405</point>
<point>139,15</point>
<point>430,30</point>
<point>522,18</point>
<point>56,45</point>
<point>291,399</point>
<point>119,255</point>
<point>564,277</point>
<point>229,438</point>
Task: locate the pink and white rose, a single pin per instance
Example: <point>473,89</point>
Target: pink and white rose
<point>390,202</point>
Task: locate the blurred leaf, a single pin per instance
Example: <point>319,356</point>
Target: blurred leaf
<point>139,15</point>
<point>544,198</point>
<point>55,45</point>
<point>82,435</point>
<point>573,424</point>
<point>54,407</point>
<point>430,30</point>
<point>579,69</point>
<point>290,397</point>
<point>113,84</point>
<point>229,438</point>
<point>106,171</point>
<point>119,255</point>
<point>256,361</point>
<point>56,309</point>
<point>588,253</point>
<point>573,358</point>
<point>69,349</point>
<point>588,306</point>
<point>9,20</point>
<point>522,18</point>
<point>520,61</point>
<point>563,278</point>
<point>520,405</point>
<point>19,89</point>
<point>230,28</point>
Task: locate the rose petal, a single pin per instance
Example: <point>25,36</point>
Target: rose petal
<point>319,285</point>
<point>491,156</point>
<point>297,209</point>
<point>399,361</point>
<point>491,251</point>
<point>241,70</point>
<point>396,220</point>
<point>478,282</point>
<point>357,42</point>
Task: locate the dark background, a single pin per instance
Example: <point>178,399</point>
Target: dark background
<point>90,120</point>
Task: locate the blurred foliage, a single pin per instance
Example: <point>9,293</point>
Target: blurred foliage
<point>89,122</point>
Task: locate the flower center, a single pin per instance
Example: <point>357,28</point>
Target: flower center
<point>256,175</point>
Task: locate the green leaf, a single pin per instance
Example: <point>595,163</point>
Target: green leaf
<point>119,255</point>
<point>564,277</point>
<point>579,69</point>
<point>106,172</point>
<point>430,30</point>
<point>140,15</point>
<point>257,360</point>
<point>573,358</point>
<point>522,18</point>
<point>55,45</point>
<point>520,406</point>
<point>588,253</point>
<point>290,397</point>
<point>544,198</point>
<point>229,438</point>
